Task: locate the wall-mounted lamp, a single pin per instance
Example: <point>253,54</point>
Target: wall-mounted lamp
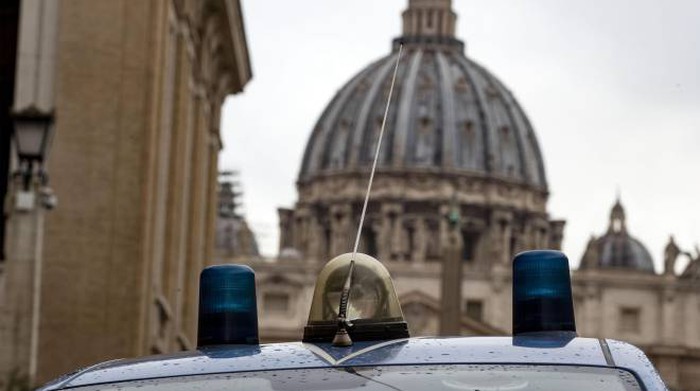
<point>32,133</point>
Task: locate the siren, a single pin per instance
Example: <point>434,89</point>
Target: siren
<point>228,312</point>
<point>373,308</point>
<point>542,299</point>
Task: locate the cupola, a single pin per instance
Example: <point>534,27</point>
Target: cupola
<point>617,249</point>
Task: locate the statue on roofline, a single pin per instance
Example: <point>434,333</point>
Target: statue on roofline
<point>671,253</point>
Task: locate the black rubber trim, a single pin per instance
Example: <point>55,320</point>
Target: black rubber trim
<point>359,331</point>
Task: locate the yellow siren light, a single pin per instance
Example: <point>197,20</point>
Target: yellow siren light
<point>373,309</point>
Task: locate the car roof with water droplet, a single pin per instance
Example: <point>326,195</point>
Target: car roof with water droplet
<point>411,351</point>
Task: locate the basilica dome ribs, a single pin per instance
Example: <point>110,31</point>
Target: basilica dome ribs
<point>454,132</point>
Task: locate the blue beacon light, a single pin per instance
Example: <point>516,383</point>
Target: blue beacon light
<point>542,299</point>
<point>228,312</point>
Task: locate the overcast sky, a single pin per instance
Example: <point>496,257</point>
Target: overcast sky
<point>611,87</point>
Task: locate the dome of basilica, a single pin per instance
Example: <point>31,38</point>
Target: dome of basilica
<point>448,113</point>
<point>456,139</point>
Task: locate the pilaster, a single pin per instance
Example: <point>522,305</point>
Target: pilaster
<point>341,236</point>
<point>671,317</point>
<point>20,305</point>
<point>592,310</point>
<point>389,232</point>
<point>501,231</point>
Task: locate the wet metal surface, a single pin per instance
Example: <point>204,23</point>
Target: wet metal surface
<point>630,357</point>
<point>465,350</point>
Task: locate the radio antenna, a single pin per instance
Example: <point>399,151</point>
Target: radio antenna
<point>342,338</point>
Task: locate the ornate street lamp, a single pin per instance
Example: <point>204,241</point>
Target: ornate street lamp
<point>33,133</point>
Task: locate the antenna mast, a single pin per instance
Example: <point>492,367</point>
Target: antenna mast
<point>341,337</point>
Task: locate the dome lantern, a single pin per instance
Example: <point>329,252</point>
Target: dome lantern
<point>429,24</point>
<point>429,18</point>
<point>617,218</point>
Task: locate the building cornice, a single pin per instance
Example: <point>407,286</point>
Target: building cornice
<point>424,185</point>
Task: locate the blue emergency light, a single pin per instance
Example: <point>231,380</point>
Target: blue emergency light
<point>228,312</point>
<point>542,300</point>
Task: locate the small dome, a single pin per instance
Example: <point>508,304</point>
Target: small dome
<point>617,248</point>
<point>448,114</point>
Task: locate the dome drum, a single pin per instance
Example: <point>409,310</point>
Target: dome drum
<point>399,230</point>
<point>423,185</point>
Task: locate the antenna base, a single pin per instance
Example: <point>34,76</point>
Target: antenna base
<point>342,338</point>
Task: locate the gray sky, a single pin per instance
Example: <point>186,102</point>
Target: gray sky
<point>611,87</point>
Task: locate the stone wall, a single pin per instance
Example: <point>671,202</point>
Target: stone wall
<point>138,91</point>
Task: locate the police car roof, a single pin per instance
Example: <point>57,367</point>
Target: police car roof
<point>412,351</point>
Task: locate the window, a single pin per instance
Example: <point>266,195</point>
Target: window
<point>469,240</point>
<point>276,302</point>
<point>327,240</point>
<point>469,127</point>
<point>629,320</point>
<point>475,309</point>
<point>411,237</point>
<point>617,225</point>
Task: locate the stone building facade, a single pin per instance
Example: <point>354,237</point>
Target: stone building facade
<point>458,141</point>
<point>136,88</point>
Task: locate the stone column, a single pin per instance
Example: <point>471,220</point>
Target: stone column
<point>669,314</point>
<point>301,230</point>
<point>501,231</point>
<point>20,305</point>
<point>451,296</point>
<point>501,298</point>
<point>342,238</point>
<point>398,239</point>
<point>388,232</point>
<point>540,233</point>
<point>420,241</point>
<point>592,311</point>
<point>286,226</point>
<point>527,236</point>
<point>315,248</point>
<point>443,228</point>
<point>556,233</point>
